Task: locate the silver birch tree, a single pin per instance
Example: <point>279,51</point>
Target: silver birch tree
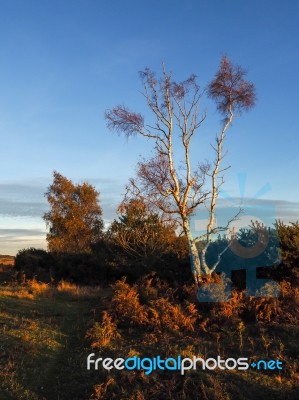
<point>175,187</point>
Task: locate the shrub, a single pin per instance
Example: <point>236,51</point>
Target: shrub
<point>165,315</point>
<point>103,334</point>
<point>126,305</point>
<point>35,263</point>
<point>218,291</point>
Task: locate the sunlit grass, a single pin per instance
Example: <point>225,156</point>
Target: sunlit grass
<point>78,291</point>
<point>33,289</point>
<point>42,340</point>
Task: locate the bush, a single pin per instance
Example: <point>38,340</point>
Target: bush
<point>76,268</point>
<point>35,263</point>
<point>172,317</point>
<point>126,306</point>
<point>103,334</point>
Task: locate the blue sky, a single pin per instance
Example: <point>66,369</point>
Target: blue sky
<point>63,63</point>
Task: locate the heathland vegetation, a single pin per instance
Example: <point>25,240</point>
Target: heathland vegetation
<point>56,308</point>
<point>127,291</point>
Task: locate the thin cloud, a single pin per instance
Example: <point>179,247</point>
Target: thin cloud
<point>28,200</point>
<point>20,232</point>
<point>287,211</point>
<point>22,208</point>
<point>12,240</point>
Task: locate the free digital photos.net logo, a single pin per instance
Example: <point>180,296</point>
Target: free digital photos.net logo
<point>253,242</point>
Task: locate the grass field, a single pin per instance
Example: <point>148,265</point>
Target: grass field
<point>43,347</point>
<point>46,333</point>
<point>7,260</point>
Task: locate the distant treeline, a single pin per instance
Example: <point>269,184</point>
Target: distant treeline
<point>106,263</point>
<point>109,261</point>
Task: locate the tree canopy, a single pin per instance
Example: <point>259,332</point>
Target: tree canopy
<point>75,216</point>
<point>141,233</point>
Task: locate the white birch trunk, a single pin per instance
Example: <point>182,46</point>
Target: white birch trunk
<point>194,255</point>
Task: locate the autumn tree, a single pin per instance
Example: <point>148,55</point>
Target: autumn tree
<point>166,181</point>
<point>141,233</point>
<point>75,216</point>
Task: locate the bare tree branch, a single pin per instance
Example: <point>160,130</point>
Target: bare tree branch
<point>161,181</point>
